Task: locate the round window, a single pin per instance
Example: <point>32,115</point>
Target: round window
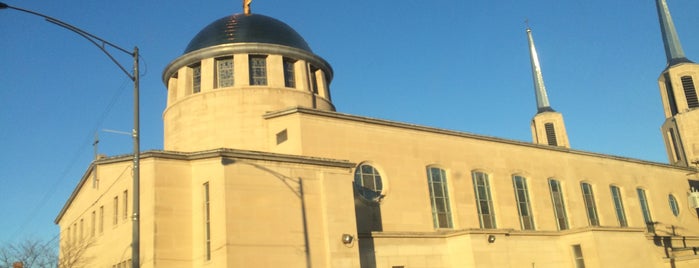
<point>368,182</point>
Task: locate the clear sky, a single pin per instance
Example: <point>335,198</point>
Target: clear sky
<point>458,65</point>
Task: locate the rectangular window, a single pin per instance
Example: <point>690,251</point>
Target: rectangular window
<point>526,218</point>
<point>75,232</point>
<point>224,72</point>
<point>439,197</point>
<point>559,208</point>
<point>258,70</point>
<point>675,147</point>
<point>550,134</point>
<point>101,223</point>
<point>645,209</point>
<point>93,220</point>
<point>126,204</point>
<point>196,78</point>
<point>670,94</point>
<point>82,230</point>
<point>618,206</point>
<point>590,207</point>
<point>207,222</point>
<point>115,215</point>
<point>484,200</point>
<point>313,79</point>
<point>690,92</point>
<point>578,257</point>
<point>289,73</point>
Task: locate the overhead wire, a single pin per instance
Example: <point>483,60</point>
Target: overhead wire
<point>88,140</point>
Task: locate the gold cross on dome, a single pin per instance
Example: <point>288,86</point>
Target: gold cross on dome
<point>246,6</point>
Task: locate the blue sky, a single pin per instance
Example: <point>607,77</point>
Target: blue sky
<point>458,65</point>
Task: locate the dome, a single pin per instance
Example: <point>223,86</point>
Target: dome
<point>252,28</point>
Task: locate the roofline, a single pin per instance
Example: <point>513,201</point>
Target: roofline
<point>368,120</point>
<point>215,153</point>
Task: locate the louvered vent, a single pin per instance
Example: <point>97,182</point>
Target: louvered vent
<point>550,134</point>
<point>689,92</point>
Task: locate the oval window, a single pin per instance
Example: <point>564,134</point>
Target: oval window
<point>674,206</point>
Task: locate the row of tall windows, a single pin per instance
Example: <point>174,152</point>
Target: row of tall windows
<point>369,185</point>
<point>77,232</point>
<point>257,69</point>
<point>484,202</point>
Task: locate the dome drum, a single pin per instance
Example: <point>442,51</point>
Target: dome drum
<point>232,73</point>
<point>246,48</point>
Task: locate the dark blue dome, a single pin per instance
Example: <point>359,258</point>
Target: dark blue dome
<point>241,28</point>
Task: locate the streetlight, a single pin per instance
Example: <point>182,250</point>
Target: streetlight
<point>101,43</point>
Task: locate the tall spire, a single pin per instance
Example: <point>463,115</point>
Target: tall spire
<point>542,100</point>
<point>673,48</point>
<point>547,125</point>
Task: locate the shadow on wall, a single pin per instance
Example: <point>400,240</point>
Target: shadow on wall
<point>368,219</point>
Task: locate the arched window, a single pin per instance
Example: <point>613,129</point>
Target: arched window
<point>368,182</point>
<point>618,205</point>
<point>590,207</point>
<point>674,206</point>
<point>559,207</point>
<point>484,201</point>
<point>642,199</point>
<point>524,208</point>
<point>439,197</point>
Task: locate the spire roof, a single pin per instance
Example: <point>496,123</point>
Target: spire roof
<point>673,48</point>
<point>542,100</point>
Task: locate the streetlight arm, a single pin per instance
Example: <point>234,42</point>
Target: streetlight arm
<point>90,37</point>
<point>100,43</point>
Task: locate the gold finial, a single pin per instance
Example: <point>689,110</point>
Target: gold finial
<point>246,6</point>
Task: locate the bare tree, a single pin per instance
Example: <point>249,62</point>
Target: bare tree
<point>73,254</point>
<point>40,254</point>
<point>31,253</point>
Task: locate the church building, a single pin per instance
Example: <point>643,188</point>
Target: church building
<point>258,169</point>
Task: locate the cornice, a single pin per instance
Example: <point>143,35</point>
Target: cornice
<point>413,127</point>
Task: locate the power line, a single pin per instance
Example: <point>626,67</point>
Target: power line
<point>88,140</point>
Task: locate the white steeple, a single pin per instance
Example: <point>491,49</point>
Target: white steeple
<point>542,100</point>
<point>673,48</point>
